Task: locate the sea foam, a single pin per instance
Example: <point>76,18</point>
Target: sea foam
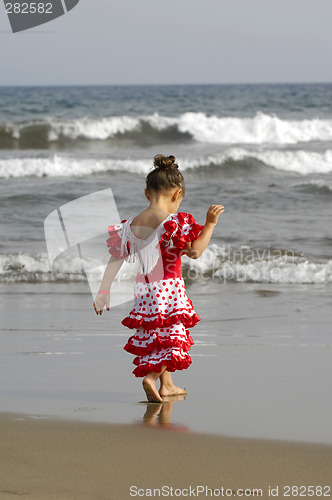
<point>260,129</point>
<point>218,263</point>
<point>300,162</point>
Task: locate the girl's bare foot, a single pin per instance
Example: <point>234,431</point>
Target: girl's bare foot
<point>167,388</point>
<point>149,386</point>
<point>171,390</point>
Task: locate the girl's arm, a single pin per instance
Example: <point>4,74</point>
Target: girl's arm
<point>112,269</point>
<point>195,248</point>
<point>103,299</point>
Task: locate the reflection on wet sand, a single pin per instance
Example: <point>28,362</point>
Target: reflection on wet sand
<point>159,415</point>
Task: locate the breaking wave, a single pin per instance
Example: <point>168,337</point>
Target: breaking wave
<point>260,129</point>
<point>222,263</point>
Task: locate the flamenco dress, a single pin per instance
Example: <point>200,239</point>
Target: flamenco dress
<point>162,313</point>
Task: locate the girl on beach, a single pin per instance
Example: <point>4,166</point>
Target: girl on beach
<point>156,239</point>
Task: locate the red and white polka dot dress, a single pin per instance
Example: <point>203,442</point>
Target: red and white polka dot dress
<point>162,312</point>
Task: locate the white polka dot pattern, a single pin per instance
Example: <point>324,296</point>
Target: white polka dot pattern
<point>161,303</point>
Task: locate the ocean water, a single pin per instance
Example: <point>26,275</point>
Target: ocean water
<point>262,287</point>
<point>263,151</point>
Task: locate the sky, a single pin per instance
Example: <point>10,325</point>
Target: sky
<point>103,42</point>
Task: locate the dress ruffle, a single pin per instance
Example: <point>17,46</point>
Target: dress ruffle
<point>159,322</point>
<point>179,230</point>
<point>175,359</point>
<point>144,342</point>
<point>114,242</point>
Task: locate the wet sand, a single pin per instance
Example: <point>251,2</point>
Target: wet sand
<point>261,360</point>
<point>53,459</point>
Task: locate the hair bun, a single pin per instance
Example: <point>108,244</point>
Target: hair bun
<point>163,162</point>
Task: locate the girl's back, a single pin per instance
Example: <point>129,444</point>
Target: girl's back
<point>147,221</point>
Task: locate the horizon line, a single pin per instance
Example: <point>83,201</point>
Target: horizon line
<point>161,84</point>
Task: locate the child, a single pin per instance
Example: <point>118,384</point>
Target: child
<point>162,313</point>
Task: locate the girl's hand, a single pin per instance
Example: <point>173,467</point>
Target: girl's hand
<point>100,302</point>
<point>213,213</point>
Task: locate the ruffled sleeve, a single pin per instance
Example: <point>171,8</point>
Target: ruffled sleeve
<point>115,243</point>
<point>180,229</point>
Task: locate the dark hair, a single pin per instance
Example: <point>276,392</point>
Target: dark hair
<point>166,175</point>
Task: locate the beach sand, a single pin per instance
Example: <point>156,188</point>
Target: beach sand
<point>46,459</point>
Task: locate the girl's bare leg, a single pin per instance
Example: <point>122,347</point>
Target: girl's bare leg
<point>167,388</point>
<point>150,388</point>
